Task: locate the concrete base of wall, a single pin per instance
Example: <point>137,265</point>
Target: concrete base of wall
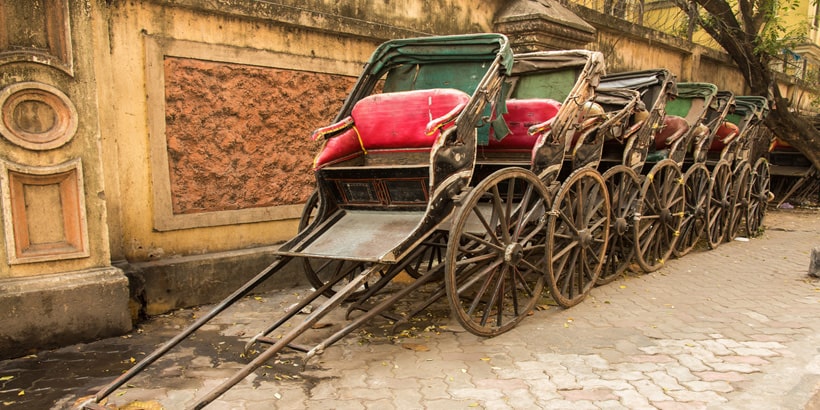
<point>62,309</point>
<point>162,286</point>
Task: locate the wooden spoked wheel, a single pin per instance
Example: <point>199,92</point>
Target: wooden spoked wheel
<point>624,188</point>
<point>659,216</point>
<point>740,199</point>
<point>759,186</point>
<point>696,216</point>
<point>431,255</point>
<point>577,236</point>
<point>719,204</point>
<point>496,255</point>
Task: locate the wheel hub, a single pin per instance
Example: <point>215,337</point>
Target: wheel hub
<point>584,238</point>
<point>621,226</point>
<point>513,253</point>
<point>666,215</point>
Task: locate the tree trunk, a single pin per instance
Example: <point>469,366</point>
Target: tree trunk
<point>739,40</point>
<point>797,131</point>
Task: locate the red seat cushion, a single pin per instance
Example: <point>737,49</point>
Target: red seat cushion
<point>391,121</point>
<point>673,125</point>
<point>399,120</point>
<point>520,116</point>
<point>726,129</point>
<point>339,148</point>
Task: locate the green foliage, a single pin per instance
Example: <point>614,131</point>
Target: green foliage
<point>774,36</point>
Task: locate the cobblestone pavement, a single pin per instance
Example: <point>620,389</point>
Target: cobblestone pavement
<point>732,328</point>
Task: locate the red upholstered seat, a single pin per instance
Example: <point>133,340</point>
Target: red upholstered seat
<point>399,120</point>
<point>673,128</point>
<point>727,129</point>
<point>392,121</point>
<point>520,116</point>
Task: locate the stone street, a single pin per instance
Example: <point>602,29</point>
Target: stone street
<point>737,327</point>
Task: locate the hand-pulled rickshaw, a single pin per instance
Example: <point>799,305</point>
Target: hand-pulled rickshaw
<point>647,202</point>
<point>732,175</point>
<point>693,105</point>
<point>445,163</point>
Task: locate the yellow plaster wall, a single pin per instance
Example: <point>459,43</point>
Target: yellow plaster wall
<point>83,146</point>
<point>125,121</point>
<point>626,54</point>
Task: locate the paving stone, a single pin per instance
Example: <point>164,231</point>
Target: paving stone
<point>649,389</point>
<point>725,376</point>
<point>559,404</point>
<point>734,367</point>
<point>623,375</point>
<point>610,405</point>
<point>651,358</point>
<point>656,341</point>
<point>632,399</point>
<point>692,363</point>
<point>709,397</point>
<point>750,351</point>
<point>593,395</point>
<point>618,384</point>
<point>674,405</point>
<point>719,386</point>
<point>665,381</point>
<point>680,373</point>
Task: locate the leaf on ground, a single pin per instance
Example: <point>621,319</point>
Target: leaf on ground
<point>6,378</point>
<point>415,347</point>
<point>322,325</point>
<point>142,405</point>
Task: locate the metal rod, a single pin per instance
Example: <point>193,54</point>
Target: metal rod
<point>369,314</point>
<point>298,308</point>
<point>309,321</point>
<point>156,354</point>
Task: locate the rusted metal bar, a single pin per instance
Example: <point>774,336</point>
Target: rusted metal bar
<point>156,354</point>
<point>295,332</point>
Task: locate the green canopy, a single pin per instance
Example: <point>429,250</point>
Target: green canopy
<point>426,50</point>
<point>687,92</point>
<point>457,61</point>
<point>696,90</point>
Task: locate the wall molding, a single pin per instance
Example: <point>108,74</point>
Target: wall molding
<point>157,48</point>
<point>44,216</point>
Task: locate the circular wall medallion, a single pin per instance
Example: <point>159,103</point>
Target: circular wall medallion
<point>36,116</point>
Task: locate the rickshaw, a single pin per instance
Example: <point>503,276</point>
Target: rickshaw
<point>647,202</point>
<point>692,104</point>
<point>732,172</point>
<point>445,163</point>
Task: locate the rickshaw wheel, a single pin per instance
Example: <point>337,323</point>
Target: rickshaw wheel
<point>309,211</point>
<point>495,258</point>
<point>318,270</point>
<point>760,186</point>
<point>740,199</point>
<point>577,236</point>
<point>431,255</point>
<point>719,205</point>
<point>697,195</point>
<point>624,188</point>
<point>660,215</point>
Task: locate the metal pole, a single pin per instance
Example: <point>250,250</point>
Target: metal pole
<point>156,354</point>
<point>309,321</point>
